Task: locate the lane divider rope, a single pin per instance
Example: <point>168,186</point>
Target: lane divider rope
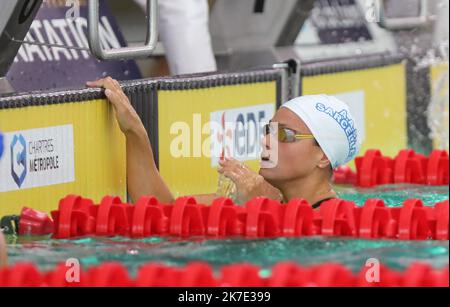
<point>199,274</point>
<point>259,218</point>
<point>408,167</point>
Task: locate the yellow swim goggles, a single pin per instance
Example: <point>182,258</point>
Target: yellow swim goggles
<point>285,135</point>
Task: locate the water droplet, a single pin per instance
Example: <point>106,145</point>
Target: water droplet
<point>264,273</point>
<point>132,252</point>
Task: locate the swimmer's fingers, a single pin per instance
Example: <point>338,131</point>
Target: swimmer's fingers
<point>223,163</point>
<point>113,91</point>
<point>249,184</point>
<point>241,171</point>
<point>242,167</point>
<point>126,115</point>
<point>115,99</point>
<point>227,166</point>
<point>233,163</point>
<point>224,166</point>
<point>119,90</point>
<point>106,83</point>
<point>235,177</point>
<point>244,186</point>
<point>95,83</point>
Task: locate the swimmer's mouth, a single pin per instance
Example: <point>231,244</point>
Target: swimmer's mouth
<point>266,159</point>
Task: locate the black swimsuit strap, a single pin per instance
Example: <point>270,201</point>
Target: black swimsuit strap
<point>317,205</point>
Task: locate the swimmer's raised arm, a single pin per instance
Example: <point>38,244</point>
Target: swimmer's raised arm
<point>143,177</point>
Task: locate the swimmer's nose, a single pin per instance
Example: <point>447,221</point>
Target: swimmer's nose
<point>265,141</point>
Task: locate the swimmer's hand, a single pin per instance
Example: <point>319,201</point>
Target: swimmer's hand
<point>248,183</point>
<point>127,117</point>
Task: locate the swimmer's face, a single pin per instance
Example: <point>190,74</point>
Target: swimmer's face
<point>295,160</point>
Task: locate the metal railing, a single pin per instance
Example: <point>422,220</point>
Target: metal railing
<point>130,52</point>
<point>405,23</point>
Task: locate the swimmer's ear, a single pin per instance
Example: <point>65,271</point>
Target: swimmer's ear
<point>324,162</point>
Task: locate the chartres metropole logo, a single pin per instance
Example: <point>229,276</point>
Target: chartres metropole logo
<point>18,159</point>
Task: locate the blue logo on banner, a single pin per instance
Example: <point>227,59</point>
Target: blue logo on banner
<point>1,145</point>
<point>18,159</point>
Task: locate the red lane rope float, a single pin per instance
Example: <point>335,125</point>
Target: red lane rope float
<point>112,217</point>
<point>437,168</point>
<point>439,221</point>
<point>33,222</point>
<point>409,167</point>
<point>222,219</point>
<point>199,274</point>
<point>262,218</point>
<point>374,220</point>
<point>373,169</point>
<point>412,220</point>
<point>336,218</point>
<point>76,217</point>
<point>298,219</point>
<point>259,218</point>
<point>187,218</point>
<point>148,218</point>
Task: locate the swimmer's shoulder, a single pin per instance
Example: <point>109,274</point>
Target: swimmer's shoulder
<point>206,199</point>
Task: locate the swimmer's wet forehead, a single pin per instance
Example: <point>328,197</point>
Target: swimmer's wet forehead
<point>288,119</point>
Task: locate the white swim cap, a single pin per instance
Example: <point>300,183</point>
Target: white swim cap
<point>332,125</point>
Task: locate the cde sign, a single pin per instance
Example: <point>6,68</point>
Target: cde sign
<point>233,133</point>
<point>237,133</point>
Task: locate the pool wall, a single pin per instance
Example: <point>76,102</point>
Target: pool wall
<point>82,124</point>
